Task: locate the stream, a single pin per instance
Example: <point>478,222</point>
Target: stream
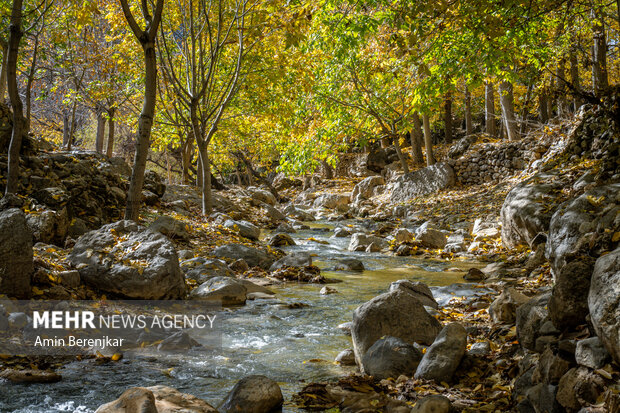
<point>291,346</point>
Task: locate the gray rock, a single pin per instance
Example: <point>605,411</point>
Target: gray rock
<point>444,356</point>
<point>542,398</point>
<point>346,357</point>
<point>201,269</point>
<point>18,320</point>
<point>296,259</point>
<point>403,235</point>
<point>435,403</point>
<point>390,357</point>
<point>125,258</point>
<point>262,195</point>
<point>70,278</point>
<point>332,201</point>
<point>526,210</point>
<point>274,213</point>
<point>170,227</point>
<point>253,256</point>
<point>253,394</point>
<point>178,341</point>
<point>418,289</point>
<point>504,308</point>
<point>396,313</point>
<point>430,237</point>
<point>156,399</point>
<point>590,352</point>
<point>16,259</point>
<point>246,229</point>
<point>298,214</point>
<point>575,218</point>
<point>365,188</point>
<point>281,240</point>
<point>530,317</point>
<point>479,349</point>
<point>603,301</point>
<point>423,181</point>
<point>360,242</point>
<point>349,264</point>
<point>550,368</point>
<point>579,385</point>
<point>49,227</point>
<point>341,233</point>
<point>221,290</point>
<point>568,305</point>
<point>286,228</point>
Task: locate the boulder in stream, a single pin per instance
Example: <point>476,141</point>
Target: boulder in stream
<point>390,357</point>
<point>444,356</point>
<point>156,399</point>
<point>253,394</point>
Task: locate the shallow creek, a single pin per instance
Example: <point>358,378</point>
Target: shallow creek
<point>291,346</point>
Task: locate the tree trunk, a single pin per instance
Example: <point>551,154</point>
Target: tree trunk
<point>401,157</point>
<point>490,109</point>
<point>574,78</point>
<point>328,171</point>
<point>5,55</point>
<point>599,58</point>
<point>65,129</point>
<point>72,124</point>
<point>506,99</point>
<point>560,87</point>
<point>417,140</point>
<point>186,157</point>
<point>526,108</point>
<point>143,141</point>
<point>110,146</point>
<point>100,130</point>
<point>543,114</point>
<point>15,35</point>
<point>469,127</point>
<point>428,140</point>
<point>207,201</point>
<point>447,118</point>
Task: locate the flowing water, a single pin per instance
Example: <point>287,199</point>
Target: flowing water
<point>291,346</point>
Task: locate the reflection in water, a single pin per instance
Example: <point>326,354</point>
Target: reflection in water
<point>292,346</point>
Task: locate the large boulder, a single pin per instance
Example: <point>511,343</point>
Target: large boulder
<point>604,302</point>
<point>253,394</point>
<point>225,291</point>
<point>430,237</point>
<point>530,318</point>
<point>127,259</point>
<point>296,259</point>
<point>568,305</point>
<point>417,289</point>
<point>332,201</point>
<point>201,269</point>
<point>156,399</point>
<point>584,224</point>
<point>262,195</point>
<point>170,227</point>
<point>16,259</point>
<point>395,313</point>
<point>246,229</point>
<point>49,227</point>
<point>361,242</point>
<point>390,357</point>
<point>528,208</point>
<point>365,188</point>
<point>253,256</point>
<point>444,356</point>
<point>423,181</point>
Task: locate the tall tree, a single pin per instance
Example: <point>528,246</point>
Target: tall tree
<point>15,35</point>
<point>146,37</point>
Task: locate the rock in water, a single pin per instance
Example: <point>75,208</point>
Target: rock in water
<point>418,289</point>
<point>125,258</point>
<point>253,394</point>
<point>390,357</point>
<point>226,291</point>
<point>346,357</point>
<point>430,237</point>
<point>443,357</point>
<point>422,182</point>
<point>253,256</point>
<point>603,301</point>
<point>16,260</point>
<point>296,259</point>
<point>156,399</point>
<point>396,313</point>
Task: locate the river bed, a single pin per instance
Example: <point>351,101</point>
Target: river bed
<point>291,346</point>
